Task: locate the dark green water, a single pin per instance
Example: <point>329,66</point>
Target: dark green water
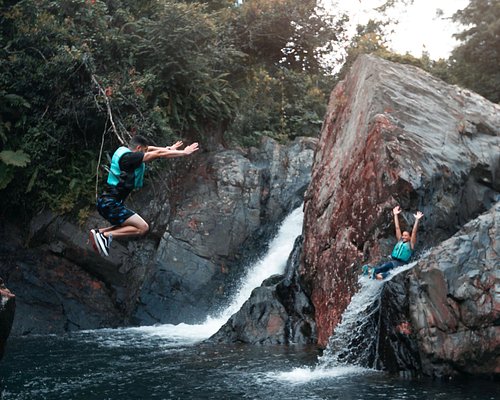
<point>133,364</point>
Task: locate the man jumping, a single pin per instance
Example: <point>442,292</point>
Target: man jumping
<point>127,173</point>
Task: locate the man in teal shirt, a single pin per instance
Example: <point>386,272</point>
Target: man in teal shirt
<point>402,251</point>
<point>126,174</point>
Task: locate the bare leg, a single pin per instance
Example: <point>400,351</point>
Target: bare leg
<point>133,226</point>
<point>109,228</point>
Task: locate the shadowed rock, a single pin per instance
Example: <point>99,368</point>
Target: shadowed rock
<point>7,312</point>
<point>455,303</point>
<point>277,312</point>
<point>203,221</point>
<point>438,316</point>
<point>234,203</point>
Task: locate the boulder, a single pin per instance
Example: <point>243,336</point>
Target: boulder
<point>455,302</point>
<point>392,135</point>
<point>53,293</point>
<point>439,318</point>
<point>277,312</point>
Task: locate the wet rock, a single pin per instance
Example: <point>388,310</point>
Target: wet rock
<point>53,296</point>
<point>392,135</point>
<point>440,318</point>
<point>233,202</point>
<point>216,210</point>
<point>455,303</point>
<point>277,312</point>
<point>396,350</point>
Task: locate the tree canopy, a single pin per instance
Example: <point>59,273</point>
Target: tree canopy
<point>80,75</point>
<point>476,61</point>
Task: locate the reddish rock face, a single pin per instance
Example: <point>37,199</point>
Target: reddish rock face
<point>393,135</point>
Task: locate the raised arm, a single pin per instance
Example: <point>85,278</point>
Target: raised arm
<point>169,152</point>
<point>413,239</point>
<point>396,211</point>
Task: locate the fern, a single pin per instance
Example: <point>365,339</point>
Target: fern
<point>15,158</point>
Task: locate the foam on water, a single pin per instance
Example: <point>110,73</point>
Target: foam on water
<point>306,375</point>
<point>356,324</point>
<point>351,329</point>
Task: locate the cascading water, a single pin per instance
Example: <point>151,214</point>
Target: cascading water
<point>122,364</point>
<point>355,338</point>
<point>273,262</point>
<point>352,347</point>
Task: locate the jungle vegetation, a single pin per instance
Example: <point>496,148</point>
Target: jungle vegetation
<point>79,77</point>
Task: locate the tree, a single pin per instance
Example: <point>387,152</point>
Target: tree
<point>78,74</point>
<point>293,33</point>
<point>475,63</point>
<point>79,77</point>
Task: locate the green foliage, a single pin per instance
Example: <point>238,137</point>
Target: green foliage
<point>75,74</point>
<point>370,40</point>
<point>475,63</point>
<point>282,105</point>
<point>15,158</point>
<point>295,33</point>
<point>190,85</point>
<point>6,175</point>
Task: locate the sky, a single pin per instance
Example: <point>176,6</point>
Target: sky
<point>419,28</point>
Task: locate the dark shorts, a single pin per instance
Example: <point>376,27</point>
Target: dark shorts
<point>113,210</point>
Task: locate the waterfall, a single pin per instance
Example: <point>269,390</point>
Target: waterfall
<point>353,346</point>
<point>273,262</point>
<point>352,340</point>
<point>355,339</point>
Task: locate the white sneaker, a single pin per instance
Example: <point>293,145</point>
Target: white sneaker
<point>93,240</point>
<point>103,243</point>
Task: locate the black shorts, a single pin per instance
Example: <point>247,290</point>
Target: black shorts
<point>113,210</point>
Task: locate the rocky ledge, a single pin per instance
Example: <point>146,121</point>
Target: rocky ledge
<point>395,135</point>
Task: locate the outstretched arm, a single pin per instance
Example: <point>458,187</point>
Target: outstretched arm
<point>396,211</point>
<point>413,240</point>
<point>169,152</point>
<point>175,146</point>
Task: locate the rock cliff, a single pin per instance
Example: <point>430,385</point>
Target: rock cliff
<point>393,134</point>
<point>234,200</point>
<point>454,301</point>
<point>277,312</point>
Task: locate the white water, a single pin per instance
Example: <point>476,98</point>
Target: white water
<point>272,263</point>
<point>354,319</point>
<point>328,366</point>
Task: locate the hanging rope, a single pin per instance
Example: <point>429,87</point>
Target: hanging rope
<point>99,161</point>
<point>109,112</point>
